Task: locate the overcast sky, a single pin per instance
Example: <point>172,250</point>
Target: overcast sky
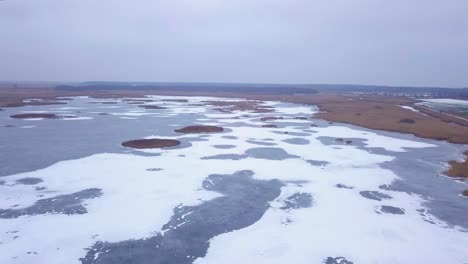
<point>390,42</point>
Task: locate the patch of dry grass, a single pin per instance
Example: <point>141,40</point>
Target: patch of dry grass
<point>383,114</point>
<point>458,169</point>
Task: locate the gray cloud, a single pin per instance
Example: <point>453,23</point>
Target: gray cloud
<point>420,43</point>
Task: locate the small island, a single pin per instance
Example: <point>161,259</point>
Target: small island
<point>35,115</point>
<point>200,129</point>
<point>150,143</point>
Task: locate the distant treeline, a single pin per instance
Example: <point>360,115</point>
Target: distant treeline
<point>270,88</point>
<point>187,87</point>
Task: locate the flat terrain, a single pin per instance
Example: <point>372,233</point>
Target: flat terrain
<point>220,180</point>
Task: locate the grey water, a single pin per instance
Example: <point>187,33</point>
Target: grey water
<point>51,141</point>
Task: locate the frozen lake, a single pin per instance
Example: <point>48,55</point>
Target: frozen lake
<point>305,191</point>
<point>447,105</point>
